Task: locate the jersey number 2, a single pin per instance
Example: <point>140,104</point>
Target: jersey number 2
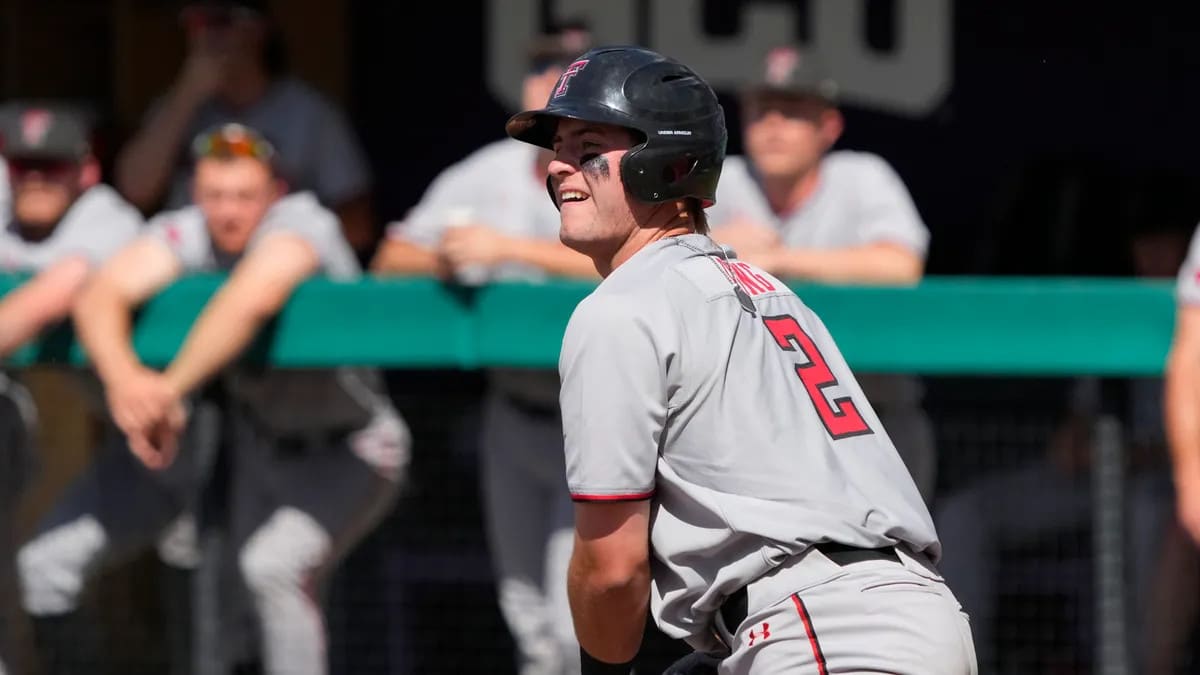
<point>840,416</point>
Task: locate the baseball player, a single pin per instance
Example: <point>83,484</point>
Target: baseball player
<point>487,218</point>
<point>725,465</point>
<point>63,222</point>
<point>318,453</point>
<point>801,211</point>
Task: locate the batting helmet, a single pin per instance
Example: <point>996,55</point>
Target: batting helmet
<point>675,114</point>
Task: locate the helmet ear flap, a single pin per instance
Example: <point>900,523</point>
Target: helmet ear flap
<point>658,174</point>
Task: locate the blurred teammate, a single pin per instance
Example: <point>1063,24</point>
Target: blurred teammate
<point>317,453</point>
<point>727,469</point>
<point>801,211</point>
<point>63,223</point>
<point>235,73</point>
<point>485,218</point>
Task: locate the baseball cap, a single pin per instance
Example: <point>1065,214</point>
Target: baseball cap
<point>32,131</point>
<point>790,71</point>
<point>559,47</point>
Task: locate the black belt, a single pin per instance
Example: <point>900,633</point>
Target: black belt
<point>733,610</point>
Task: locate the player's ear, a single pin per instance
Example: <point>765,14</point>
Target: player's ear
<point>89,172</point>
<point>832,125</point>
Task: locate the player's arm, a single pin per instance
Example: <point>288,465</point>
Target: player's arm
<point>608,581</point>
<point>40,302</point>
<point>397,255</point>
<point>880,263</point>
<point>1182,410</point>
<point>614,399</point>
<point>256,290</point>
<point>103,310</point>
<point>143,168</point>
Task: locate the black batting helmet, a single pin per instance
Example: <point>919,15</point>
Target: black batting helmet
<point>676,114</point>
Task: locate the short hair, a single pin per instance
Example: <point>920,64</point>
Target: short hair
<point>696,213</point>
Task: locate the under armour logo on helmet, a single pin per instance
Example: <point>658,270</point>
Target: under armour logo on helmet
<point>571,71</point>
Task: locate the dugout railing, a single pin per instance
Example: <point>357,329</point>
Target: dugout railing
<point>944,327</point>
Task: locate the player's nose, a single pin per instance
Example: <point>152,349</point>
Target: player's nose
<point>560,168</point>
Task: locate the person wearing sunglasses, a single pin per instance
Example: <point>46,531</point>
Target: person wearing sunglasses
<point>61,224</point>
<point>802,210</point>
<point>235,72</point>
<point>318,454</point>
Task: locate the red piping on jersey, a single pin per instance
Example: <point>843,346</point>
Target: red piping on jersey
<point>631,497</point>
<point>822,669</point>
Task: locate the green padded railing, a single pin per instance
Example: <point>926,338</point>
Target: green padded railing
<point>946,325</point>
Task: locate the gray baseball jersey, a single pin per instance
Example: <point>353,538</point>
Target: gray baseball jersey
<point>286,401</point>
<point>317,148</point>
<point>747,430</point>
<point>495,186</point>
<point>96,226</point>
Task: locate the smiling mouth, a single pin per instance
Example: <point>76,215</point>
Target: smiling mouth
<point>571,196</point>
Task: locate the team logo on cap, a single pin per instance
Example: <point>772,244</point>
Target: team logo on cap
<point>571,71</point>
<point>35,124</point>
<point>781,63</point>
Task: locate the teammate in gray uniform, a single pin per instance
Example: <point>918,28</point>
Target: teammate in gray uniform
<point>725,464</point>
<point>234,73</point>
<point>487,218</point>
<point>318,453</point>
<point>63,223</point>
<point>802,212</point>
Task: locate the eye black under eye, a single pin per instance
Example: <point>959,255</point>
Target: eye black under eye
<point>589,157</point>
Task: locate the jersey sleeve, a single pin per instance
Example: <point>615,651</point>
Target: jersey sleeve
<point>342,169</point>
<point>182,230</point>
<point>302,215</point>
<point>1187,285</point>
<point>888,214</point>
<point>614,401</point>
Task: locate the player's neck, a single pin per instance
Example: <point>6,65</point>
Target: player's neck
<point>786,194</point>
<point>666,221</point>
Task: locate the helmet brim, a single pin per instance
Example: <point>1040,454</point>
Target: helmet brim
<point>538,127</point>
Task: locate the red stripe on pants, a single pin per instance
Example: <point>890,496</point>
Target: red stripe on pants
<point>812,635</point>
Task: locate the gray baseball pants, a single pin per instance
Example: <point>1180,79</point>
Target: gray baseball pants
<point>815,616</point>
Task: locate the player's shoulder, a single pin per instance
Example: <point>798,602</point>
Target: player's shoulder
<point>302,209</point>
<point>291,90</point>
<point>104,201</point>
<point>857,165</point>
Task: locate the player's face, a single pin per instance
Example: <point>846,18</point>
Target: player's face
<point>596,213</point>
<point>786,136</point>
<point>43,190</point>
<point>234,195</point>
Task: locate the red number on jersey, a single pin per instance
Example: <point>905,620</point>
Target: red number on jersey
<point>840,416</point>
